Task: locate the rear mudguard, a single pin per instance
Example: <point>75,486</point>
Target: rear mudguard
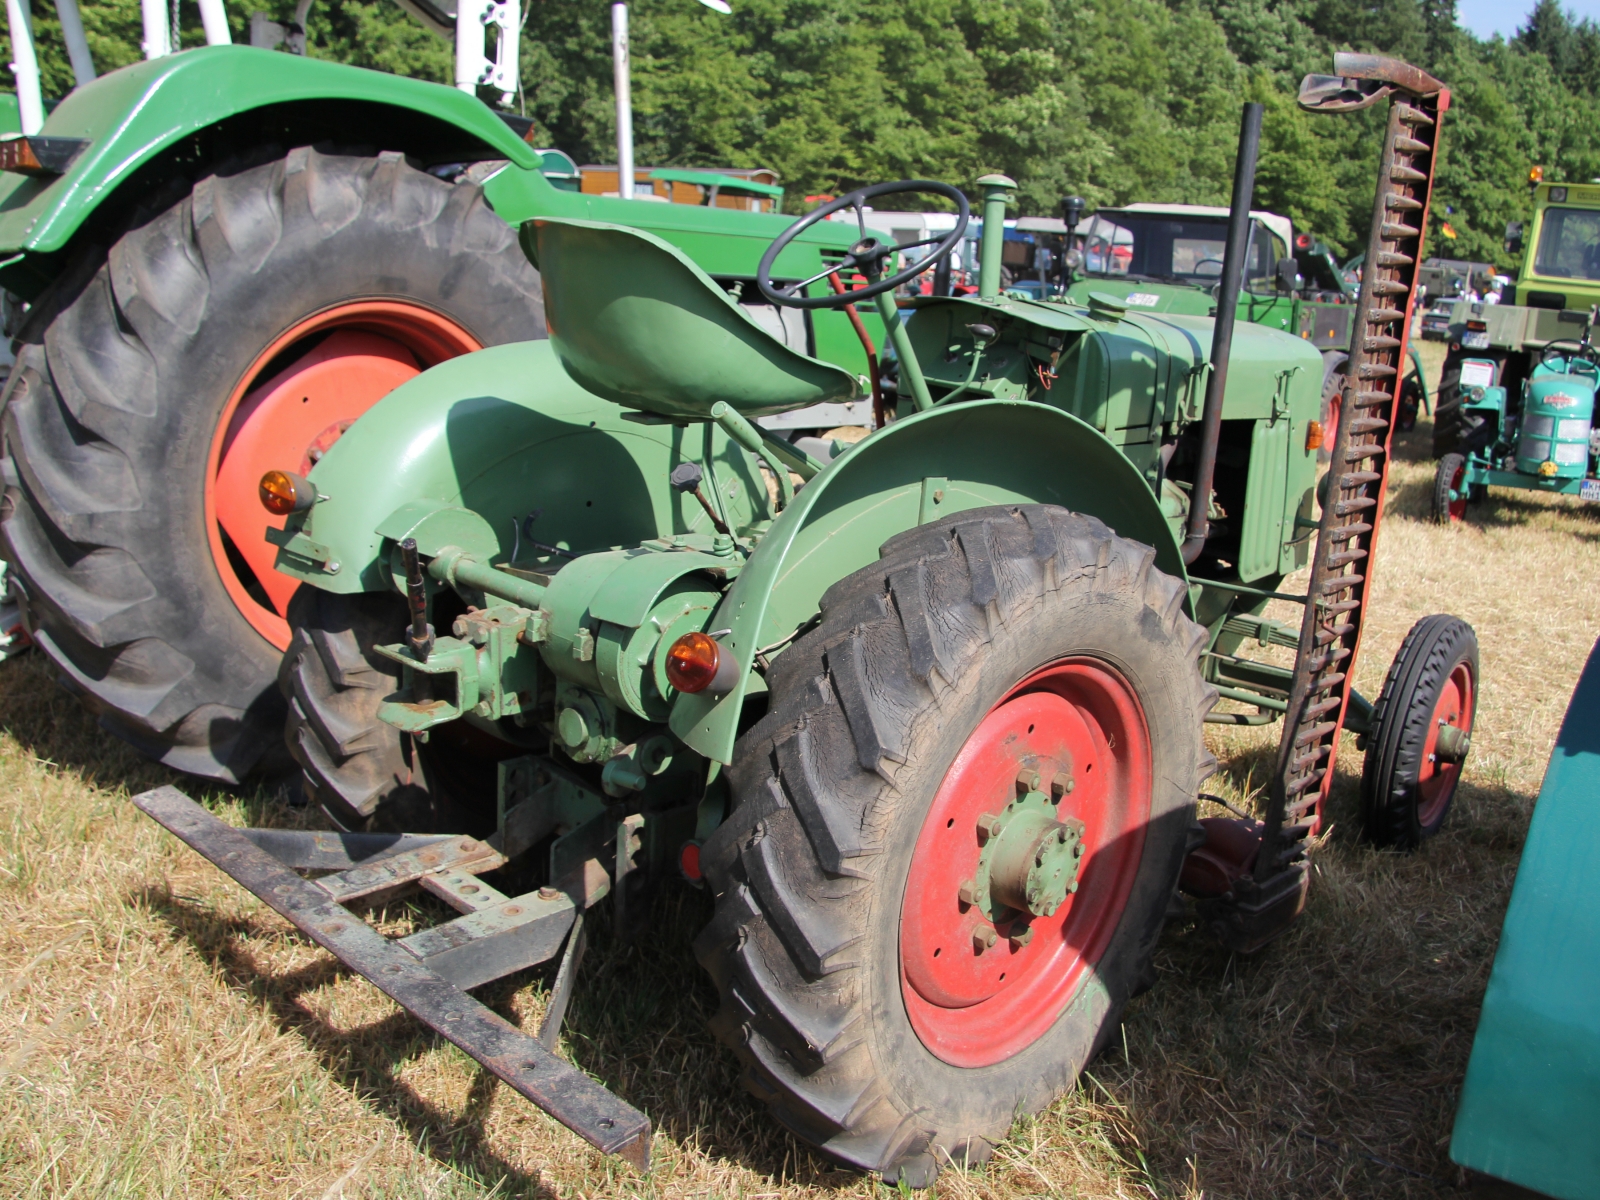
<point>917,470</point>
<point>506,434</point>
<point>147,124</point>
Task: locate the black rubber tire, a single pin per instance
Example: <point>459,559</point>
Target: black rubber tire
<point>1333,364</point>
<point>1449,426</point>
<point>362,772</point>
<point>1444,477</point>
<point>1432,650</point>
<point>111,411</point>
<point>868,710</point>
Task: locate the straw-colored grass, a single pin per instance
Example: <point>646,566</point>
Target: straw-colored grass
<point>162,1034</point>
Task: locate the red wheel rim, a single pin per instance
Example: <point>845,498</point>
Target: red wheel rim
<point>296,399</point>
<point>1458,503</point>
<point>974,1009</point>
<point>1436,781</point>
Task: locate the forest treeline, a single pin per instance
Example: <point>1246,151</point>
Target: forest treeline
<point>1115,100</point>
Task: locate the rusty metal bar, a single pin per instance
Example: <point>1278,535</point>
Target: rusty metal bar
<point>557,1087</point>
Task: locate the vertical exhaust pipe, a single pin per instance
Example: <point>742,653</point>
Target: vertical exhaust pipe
<point>1244,186</point>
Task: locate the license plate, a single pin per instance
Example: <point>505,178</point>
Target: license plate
<point>1589,489</point>
<point>1476,341</point>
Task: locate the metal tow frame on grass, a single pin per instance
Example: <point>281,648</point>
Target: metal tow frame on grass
<point>428,972</point>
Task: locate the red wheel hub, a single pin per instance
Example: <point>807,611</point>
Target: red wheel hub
<point>978,989</point>
<point>296,399</point>
<point>1458,502</point>
<point>1449,728</point>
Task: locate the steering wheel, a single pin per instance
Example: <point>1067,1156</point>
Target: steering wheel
<point>1571,353</point>
<point>1207,262</point>
<point>868,255</point>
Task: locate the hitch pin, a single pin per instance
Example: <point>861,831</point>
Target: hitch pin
<point>420,637</point>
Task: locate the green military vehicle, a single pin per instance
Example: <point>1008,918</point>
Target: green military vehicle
<point>1546,314</point>
<point>548,589</point>
<point>227,255</point>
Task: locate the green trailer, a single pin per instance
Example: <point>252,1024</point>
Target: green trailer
<point>227,255</point>
<point>567,621</point>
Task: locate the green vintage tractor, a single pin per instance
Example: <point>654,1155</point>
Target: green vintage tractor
<point>927,723</point>
<point>227,256</point>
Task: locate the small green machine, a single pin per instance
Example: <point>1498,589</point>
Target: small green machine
<point>1542,439</point>
<point>1516,394</point>
<point>1531,1101</point>
<point>924,713</point>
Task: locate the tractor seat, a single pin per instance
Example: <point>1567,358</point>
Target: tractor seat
<point>636,322</point>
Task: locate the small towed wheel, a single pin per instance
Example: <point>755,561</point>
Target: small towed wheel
<point>958,829</point>
<point>1421,732</point>
<point>244,328</point>
<point>1450,490</point>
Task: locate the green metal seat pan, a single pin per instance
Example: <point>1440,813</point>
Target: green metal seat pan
<point>636,322</point>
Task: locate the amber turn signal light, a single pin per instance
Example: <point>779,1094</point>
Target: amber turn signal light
<point>284,492</point>
<point>697,663</point>
<point>1314,435</point>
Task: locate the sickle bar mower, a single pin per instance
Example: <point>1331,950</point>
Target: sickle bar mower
<point>1347,533</point>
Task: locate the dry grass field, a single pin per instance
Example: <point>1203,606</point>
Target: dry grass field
<point>162,1034</point>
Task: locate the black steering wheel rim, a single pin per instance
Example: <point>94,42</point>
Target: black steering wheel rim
<point>872,250</point>
<point>1574,349</point>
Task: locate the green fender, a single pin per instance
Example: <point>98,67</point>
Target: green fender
<point>504,433</point>
<point>915,471</point>
<point>130,117</point>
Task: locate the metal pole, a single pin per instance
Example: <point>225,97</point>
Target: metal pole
<point>25,66</point>
<point>997,190</point>
<point>620,70</point>
<point>77,44</point>
<point>157,29</point>
<point>215,20</point>
<point>469,46</point>
<point>1244,186</point>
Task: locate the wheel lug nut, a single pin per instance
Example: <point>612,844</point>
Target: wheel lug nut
<point>1060,785</point>
<point>968,892</point>
<point>1021,937</point>
<point>1027,781</point>
<point>983,938</point>
<point>989,825</point>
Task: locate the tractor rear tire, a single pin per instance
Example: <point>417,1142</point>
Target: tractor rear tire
<point>883,718</point>
<point>364,773</point>
<point>133,383</point>
<point>1406,785</point>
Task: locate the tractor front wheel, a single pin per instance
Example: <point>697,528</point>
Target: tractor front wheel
<point>243,328</point>
<point>958,830</point>
<point>1450,490</point>
<point>1421,732</point>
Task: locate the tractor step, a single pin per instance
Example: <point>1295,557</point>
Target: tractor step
<point>428,972</point>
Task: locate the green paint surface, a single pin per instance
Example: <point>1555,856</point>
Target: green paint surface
<point>1530,1107</point>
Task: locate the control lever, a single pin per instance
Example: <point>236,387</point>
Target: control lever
<point>686,477</point>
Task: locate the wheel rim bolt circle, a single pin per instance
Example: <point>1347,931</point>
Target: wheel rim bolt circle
<point>1030,859</point>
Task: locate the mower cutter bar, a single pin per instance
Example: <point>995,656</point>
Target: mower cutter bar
<point>560,1089</point>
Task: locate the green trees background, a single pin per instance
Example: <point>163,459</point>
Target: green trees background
<point>1117,100</point>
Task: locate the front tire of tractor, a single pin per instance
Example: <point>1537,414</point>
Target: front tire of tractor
<point>1449,490</point>
<point>157,376</point>
<point>901,1023</point>
<point>1413,764</point>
